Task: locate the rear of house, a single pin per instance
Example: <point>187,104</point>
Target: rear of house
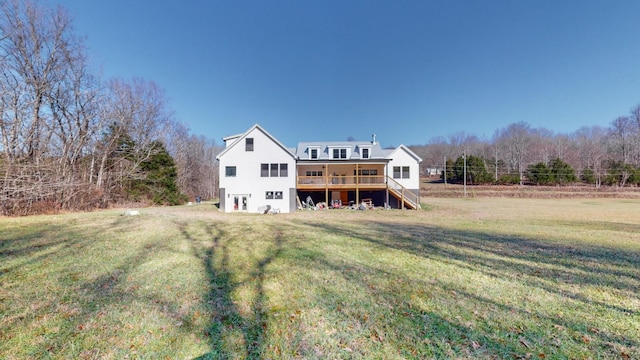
<point>257,171</point>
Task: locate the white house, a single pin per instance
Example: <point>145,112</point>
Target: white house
<point>257,171</point>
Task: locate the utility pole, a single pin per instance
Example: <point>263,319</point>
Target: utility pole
<point>445,171</point>
<point>464,157</point>
<point>496,158</point>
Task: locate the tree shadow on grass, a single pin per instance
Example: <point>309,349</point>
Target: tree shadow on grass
<point>539,260</point>
<point>385,316</point>
<point>226,317</point>
<point>59,294</point>
<point>550,266</point>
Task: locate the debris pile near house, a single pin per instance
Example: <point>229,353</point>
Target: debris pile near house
<point>267,209</point>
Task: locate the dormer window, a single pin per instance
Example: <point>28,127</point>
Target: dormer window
<point>314,152</point>
<point>365,153</point>
<point>339,153</point>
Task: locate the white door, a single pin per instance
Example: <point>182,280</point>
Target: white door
<point>240,202</point>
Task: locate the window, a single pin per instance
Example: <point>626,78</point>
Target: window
<point>230,171</point>
<point>314,154</point>
<point>339,153</point>
<point>405,172</point>
<point>314,173</point>
<point>273,195</point>
<point>248,144</point>
<point>365,153</point>
<point>401,172</point>
<point>274,170</point>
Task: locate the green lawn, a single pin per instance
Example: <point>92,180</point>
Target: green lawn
<point>483,278</point>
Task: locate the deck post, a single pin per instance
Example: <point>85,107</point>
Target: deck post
<point>357,188</point>
<point>326,185</point>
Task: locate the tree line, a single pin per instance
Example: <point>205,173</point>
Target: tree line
<point>71,140</point>
<point>519,154</point>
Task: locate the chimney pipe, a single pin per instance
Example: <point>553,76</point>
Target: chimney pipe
<point>373,139</point>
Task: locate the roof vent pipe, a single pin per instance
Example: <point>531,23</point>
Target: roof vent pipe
<point>373,139</point>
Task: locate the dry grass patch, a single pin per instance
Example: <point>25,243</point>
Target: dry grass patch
<point>484,278</point>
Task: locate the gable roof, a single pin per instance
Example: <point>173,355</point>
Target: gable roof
<point>241,137</point>
<point>407,150</point>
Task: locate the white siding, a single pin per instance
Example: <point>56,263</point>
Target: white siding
<point>401,158</point>
<point>248,180</point>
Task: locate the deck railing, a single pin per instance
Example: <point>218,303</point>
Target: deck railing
<point>403,194</point>
<point>342,180</point>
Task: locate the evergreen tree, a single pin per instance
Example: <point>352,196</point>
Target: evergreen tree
<point>618,173</point>
<point>539,174</point>
<point>588,176</point>
<point>158,181</point>
<point>562,172</point>
<point>476,171</point>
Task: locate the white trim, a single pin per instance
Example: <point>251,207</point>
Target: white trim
<point>258,127</point>
<point>339,147</point>
<point>362,148</point>
<point>310,149</point>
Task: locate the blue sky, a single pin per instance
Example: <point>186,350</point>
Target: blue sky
<point>407,71</point>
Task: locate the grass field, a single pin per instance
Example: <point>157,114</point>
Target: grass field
<point>474,278</point>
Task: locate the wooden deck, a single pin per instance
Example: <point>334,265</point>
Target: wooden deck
<point>363,182</point>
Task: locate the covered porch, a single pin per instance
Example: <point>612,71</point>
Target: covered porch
<point>351,183</point>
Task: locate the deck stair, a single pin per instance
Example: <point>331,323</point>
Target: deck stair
<point>407,198</point>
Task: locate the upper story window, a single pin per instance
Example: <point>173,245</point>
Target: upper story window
<point>365,153</point>
<point>230,171</point>
<point>274,170</point>
<point>248,144</point>
<point>401,172</point>
<point>314,152</point>
<point>339,153</point>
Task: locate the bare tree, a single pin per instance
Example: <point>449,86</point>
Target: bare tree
<point>635,142</point>
<point>541,145</point>
<point>195,158</point>
<point>621,138</point>
<point>40,55</point>
<point>34,40</point>
<point>514,140</point>
<point>591,142</point>
<point>135,116</point>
